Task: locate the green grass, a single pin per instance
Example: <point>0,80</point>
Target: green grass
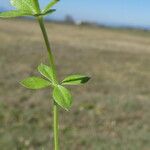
<point>111,112</point>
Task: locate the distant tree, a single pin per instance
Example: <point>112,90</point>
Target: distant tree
<point>69,19</point>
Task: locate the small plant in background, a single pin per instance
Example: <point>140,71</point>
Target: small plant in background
<point>61,95</point>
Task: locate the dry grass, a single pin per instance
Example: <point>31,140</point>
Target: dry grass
<point>109,113</point>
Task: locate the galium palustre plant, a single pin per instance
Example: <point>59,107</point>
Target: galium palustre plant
<point>61,95</point>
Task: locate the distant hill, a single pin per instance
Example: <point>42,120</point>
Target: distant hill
<point>70,20</point>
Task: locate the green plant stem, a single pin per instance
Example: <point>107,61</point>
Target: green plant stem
<point>56,127</point>
<point>51,59</point>
<point>45,36</point>
<point>36,3</point>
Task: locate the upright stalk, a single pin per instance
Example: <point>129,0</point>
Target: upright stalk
<point>56,134</point>
<point>51,58</point>
<point>55,106</point>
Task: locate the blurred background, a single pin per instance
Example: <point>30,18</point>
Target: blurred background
<point>107,40</point>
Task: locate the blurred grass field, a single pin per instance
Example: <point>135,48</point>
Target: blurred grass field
<point>111,112</point>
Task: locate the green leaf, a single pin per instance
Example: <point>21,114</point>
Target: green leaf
<point>62,97</point>
<point>46,71</point>
<point>26,5</point>
<point>35,83</point>
<point>13,13</point>
<point>75,80</point>
<point>49,12</point>
<point>51,4</point>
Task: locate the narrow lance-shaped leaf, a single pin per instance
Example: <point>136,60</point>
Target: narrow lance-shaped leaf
<point>51,4</point>
<point>62,97</point>
<point>46,71</point>
<point>48,12</point>
<point>13,13</point>
<point>75,80</point>
<point>35,83</point>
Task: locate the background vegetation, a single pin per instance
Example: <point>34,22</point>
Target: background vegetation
<point>112,111</point>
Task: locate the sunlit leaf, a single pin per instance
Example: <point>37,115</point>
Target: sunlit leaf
<point>13,13</point>
<point>75,80</point>
<point>28,8</point>
<point>46,71</point>
<point>35,83</point>
<point>48,12</point>
<point>27,5</point>
<point>62,97</point>
<point>51,4</point>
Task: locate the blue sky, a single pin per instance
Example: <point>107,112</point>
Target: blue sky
<point>116,12</point>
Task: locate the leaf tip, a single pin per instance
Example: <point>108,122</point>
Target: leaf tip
<point>22,83</point>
